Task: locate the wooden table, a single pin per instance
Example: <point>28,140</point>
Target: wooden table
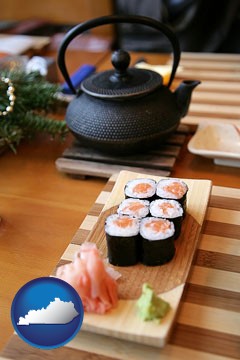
<point>42,209</point>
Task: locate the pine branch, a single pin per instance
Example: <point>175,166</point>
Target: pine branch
<point>33,92</point>
<point>34,98</point>
<point>33,123</point>
<point>10,135</point>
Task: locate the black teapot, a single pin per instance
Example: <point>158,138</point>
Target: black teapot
<point>125,110</point>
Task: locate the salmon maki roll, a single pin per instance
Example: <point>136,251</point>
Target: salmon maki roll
<point>144,189</point>
<point>173,189</point>
<point>168,209</point>
<point>157,241</point>
<point>134,207</point>
<point>122,235</point>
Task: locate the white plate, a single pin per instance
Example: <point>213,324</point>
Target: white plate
<point>220,142</point>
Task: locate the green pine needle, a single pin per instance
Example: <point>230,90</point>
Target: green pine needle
<point>33,123</point>
<point>35,98</point>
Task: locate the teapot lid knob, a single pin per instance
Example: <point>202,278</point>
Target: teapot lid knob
<point>120,61</point>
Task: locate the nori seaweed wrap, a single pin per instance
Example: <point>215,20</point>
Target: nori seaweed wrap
<point>123,240</point>
<point>157,241</point>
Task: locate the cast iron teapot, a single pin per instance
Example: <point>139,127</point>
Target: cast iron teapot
<point>125,110</point>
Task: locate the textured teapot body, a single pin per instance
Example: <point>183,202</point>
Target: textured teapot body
<point>124,126</point>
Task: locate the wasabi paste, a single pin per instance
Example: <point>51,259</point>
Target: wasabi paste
<point>150,306</point>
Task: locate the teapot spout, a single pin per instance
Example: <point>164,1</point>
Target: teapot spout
<point>183,95</point>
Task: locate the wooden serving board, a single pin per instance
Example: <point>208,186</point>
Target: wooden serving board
<point>167,280</point>
<point>207,325</point>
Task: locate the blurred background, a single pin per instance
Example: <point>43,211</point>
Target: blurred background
<point>201,25</point>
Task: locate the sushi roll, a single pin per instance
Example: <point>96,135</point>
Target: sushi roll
<point>122,234</point>
<point>143,189</point>
<point>134,207</point>
<point>157,241</point>
<point>168,209</point>
<point>174,189</point>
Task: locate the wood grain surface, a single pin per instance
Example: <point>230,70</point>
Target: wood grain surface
<point>208,321</point>
<point>167,280</point>
<point>41,208</point>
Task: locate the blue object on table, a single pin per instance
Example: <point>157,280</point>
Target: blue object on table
<point>77,77</point>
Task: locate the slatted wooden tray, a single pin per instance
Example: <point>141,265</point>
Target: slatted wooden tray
<point>77,160</point>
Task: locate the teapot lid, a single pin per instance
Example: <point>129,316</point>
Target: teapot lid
<point>122,82</point>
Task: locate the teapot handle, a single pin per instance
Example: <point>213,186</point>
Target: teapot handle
<point>116,19</point>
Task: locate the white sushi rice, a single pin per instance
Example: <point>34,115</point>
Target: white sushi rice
<point>163,184</point>
<point>112,228</point>
<point>127,207</point>
<point>166,208</point>
<point>147,230</point>
<point>131,186</point>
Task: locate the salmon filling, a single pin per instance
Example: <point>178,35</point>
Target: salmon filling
<point>158,225</point>
<point>165,207</point>
<point>123,222</point>
<point>175,188</point>
<point>134,206</point>
<point>142,188</point>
